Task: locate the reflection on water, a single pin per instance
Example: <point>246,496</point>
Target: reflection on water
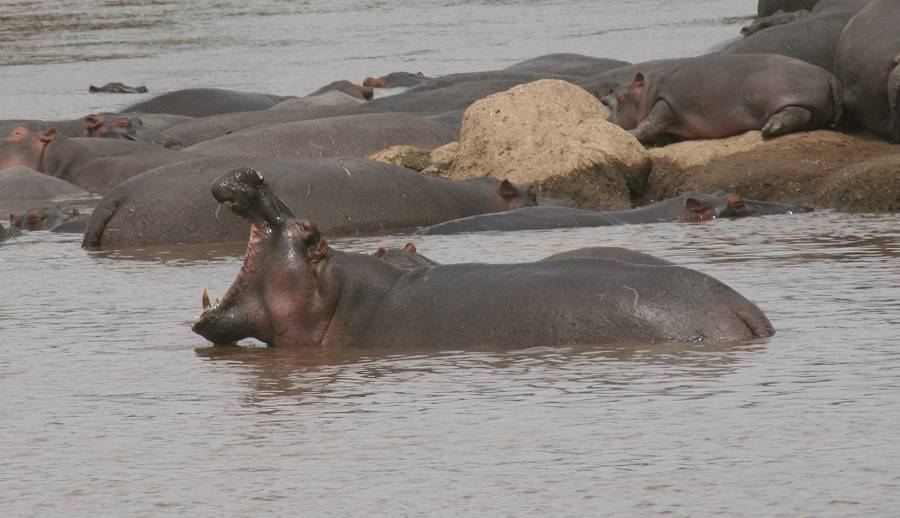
<point>108,396</point>
<point>52,50</point>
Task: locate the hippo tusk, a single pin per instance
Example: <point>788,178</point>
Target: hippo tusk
<point>205,299</point>
<point>218,209</point>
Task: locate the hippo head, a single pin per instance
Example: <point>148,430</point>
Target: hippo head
<point>375,82</point>
<point>23,147</point>
<point>628,106</point>
<point>405,258</point>
<point>42,219</point>
<point>282,294</point>
<point>111,125</point>
<point>696,206</point>
<point>515,197</point>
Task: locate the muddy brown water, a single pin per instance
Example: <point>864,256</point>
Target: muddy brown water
<point>112,407</point>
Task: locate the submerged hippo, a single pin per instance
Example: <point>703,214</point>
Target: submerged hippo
<point>23,183</point>
<point>117,88</point>
<point>688,207</point>
<point>45,218</point>
<point>868,64</point>
<point>169,205</point>
<point>737,93</point>
<point>295,291</point>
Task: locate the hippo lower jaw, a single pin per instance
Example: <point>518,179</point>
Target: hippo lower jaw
<point>230,320</point>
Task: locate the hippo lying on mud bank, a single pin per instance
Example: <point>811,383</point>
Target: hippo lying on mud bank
<point>295,291</point>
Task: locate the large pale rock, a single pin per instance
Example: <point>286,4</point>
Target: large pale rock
<point>791,168</point>
<point>869,186</point>
<point>555,135</point>
<point>407,156</point>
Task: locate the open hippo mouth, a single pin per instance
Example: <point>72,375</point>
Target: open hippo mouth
<point>238,315</point>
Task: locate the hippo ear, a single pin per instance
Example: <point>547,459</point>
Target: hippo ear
<point>47,136</point>
<point>381,252</point>
<point>409,247</point>
<point>93,89</point>
<point>91,122</point>
<point>507,190</point>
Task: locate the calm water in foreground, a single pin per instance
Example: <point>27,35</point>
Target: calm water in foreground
<point>112,407</point>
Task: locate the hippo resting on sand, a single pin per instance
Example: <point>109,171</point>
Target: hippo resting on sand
<point>868,64</point>
<point>295,291</point>
<point>716,96</point>
<point>688,207</point>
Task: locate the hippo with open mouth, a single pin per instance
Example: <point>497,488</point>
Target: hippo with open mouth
<point>293,290</point>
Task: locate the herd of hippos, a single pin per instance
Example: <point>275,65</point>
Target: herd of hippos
<point>802,65</point>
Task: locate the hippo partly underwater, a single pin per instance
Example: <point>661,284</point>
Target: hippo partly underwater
<point>293,290</point>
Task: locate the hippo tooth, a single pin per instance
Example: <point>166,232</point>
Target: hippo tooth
<point>205,300</point>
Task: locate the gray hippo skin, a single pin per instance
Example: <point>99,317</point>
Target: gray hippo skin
<point>350,135</point>
<point>770,7</point>
<point>688,207</point>
<point>329,104</point>
<point>202,102</point>
<point>408,257</point>
<point>603,84</point>
<point>735,93</point>
<point>19,183</point>
<point>868,64</point>
<point>117,88</point>
<point>295,291</point>
<point>170,205</point>
<point>812,38</point>
<point>566,64</point>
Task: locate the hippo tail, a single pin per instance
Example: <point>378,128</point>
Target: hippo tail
<point>96,226</point>
<point>893,94</point>
<point>837,93</point>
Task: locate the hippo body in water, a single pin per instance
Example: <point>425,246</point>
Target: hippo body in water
<point>117,88</point>
<point>202,102</point>
<point>23,183</point>
<point>295,291</point>
<point>737,93</point>
<point>688,207</point>
<point>811,37</point>
<point>868,64</point>
<point>408,257</point>
<point>169,205</point>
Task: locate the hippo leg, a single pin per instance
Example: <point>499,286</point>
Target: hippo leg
<point>787,120</point>
<point>657,122</point>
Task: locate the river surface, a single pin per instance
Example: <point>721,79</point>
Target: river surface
<point>111,407</point>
